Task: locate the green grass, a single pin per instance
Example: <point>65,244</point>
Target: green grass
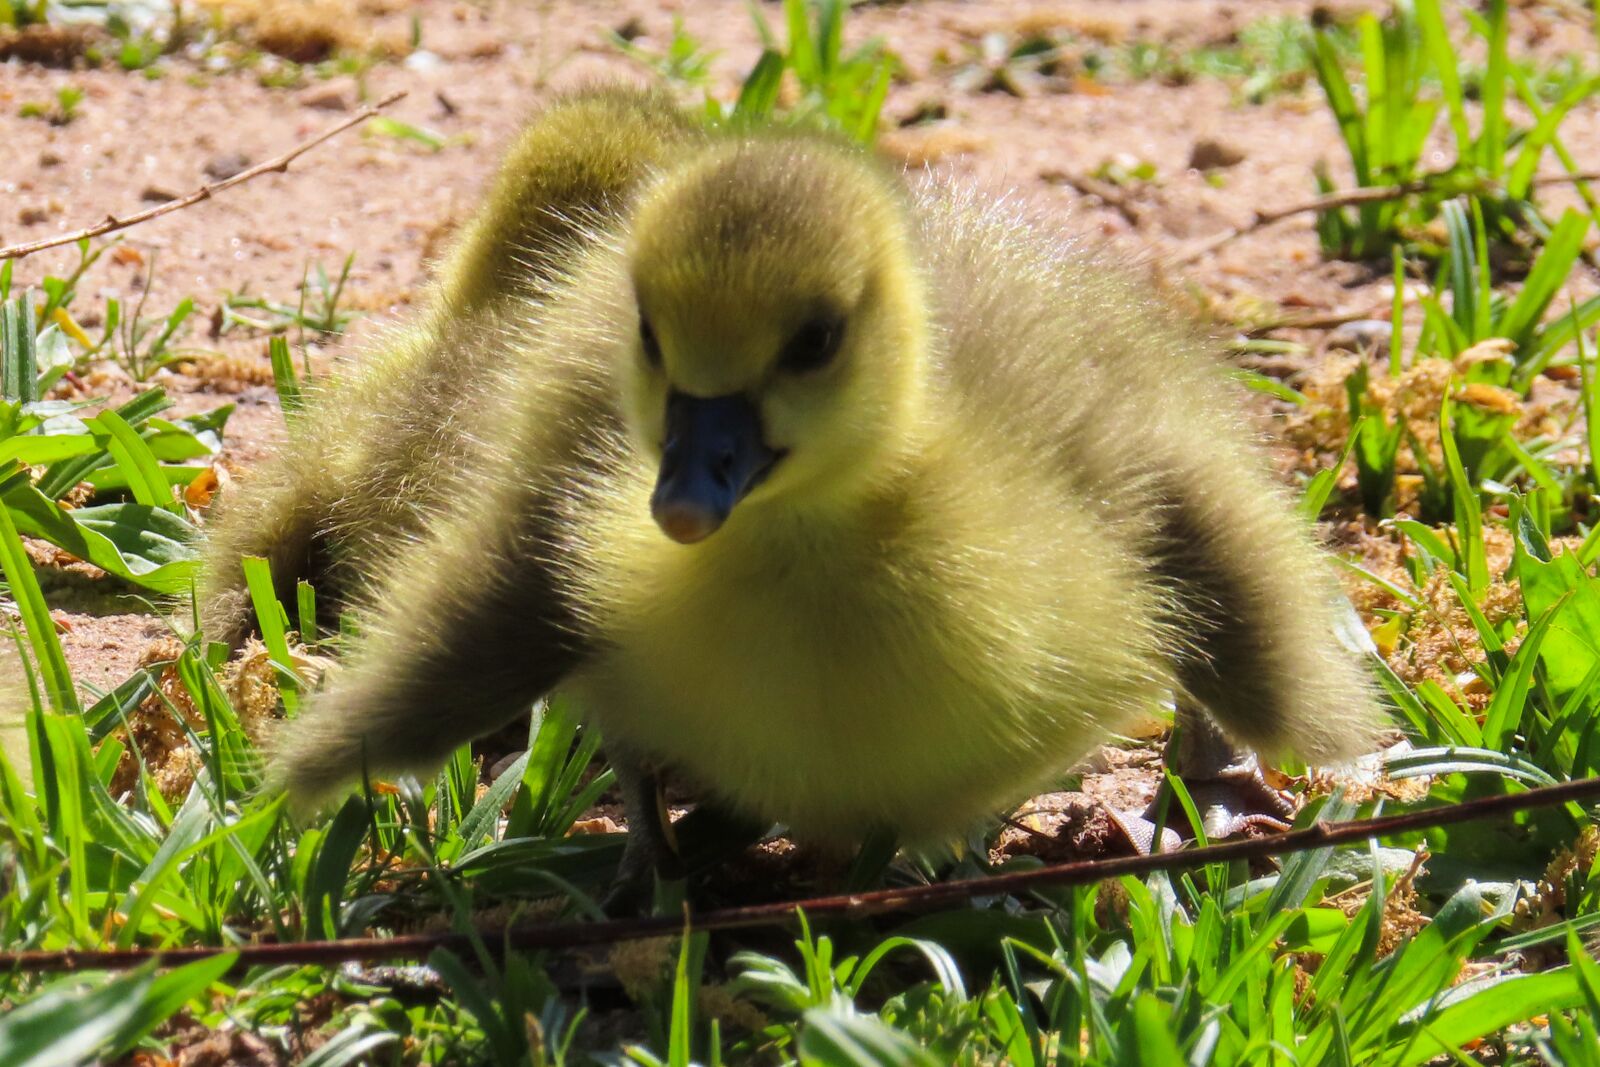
<point>1209,967</point>
<point>139,344</point>
<point>684,60</point>
<point>1462,310</point>
<point>144,344</point>
<point>836,88</point>
<point>59,112</point>
<point>147,37</point>
<point>316,307</point>
<point>132,36</point>
<point>1267,59</point>
<point>130,461</point>
<point>1409,79</point>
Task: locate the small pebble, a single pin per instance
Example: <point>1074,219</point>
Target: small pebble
<point>337,94</point>
<point>1362,335</point>
<point>422,61</point>
<point>1211,154</point>
<point>503,764</point>
<point>226,165</point>
<point>1352,867</point>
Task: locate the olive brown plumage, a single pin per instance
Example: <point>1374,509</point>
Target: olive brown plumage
<point>863,504</point>
<point>371,463</point>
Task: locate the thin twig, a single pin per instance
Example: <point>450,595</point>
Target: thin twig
<point>1311,320</point>
<point>205,192</point>
<point>1343,198</point>
<point>567,935</point>
<point>1106,192</point>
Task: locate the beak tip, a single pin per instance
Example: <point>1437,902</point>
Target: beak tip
<point>685,523</point>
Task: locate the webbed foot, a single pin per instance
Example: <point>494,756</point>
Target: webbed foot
<point>651,850</point>
<point>1225,782</point>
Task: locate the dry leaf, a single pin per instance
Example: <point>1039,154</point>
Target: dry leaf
<point>198,493</point>
<point>1490,398</point>
<point>1494,350</point>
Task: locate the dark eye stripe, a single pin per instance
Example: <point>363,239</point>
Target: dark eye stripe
<point>813,345</point>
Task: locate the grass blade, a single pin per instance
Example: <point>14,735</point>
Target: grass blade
<point>35,612</point>
<point>274,625</point>
<point>138,464</point>
<point>290,396</point>
<point>1468,512</point>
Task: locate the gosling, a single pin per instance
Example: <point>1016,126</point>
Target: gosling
<point>863,505</point>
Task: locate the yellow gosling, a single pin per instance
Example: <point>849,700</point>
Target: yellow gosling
<point>862,506</point>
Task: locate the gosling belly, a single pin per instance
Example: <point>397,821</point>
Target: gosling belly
<point>836,749</point>
<point>920,669</point>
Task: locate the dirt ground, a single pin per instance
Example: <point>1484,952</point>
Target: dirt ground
<point>487,65</point>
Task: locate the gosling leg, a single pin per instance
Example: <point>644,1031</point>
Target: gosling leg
<point>651,848</point>
<point>1223,779</point>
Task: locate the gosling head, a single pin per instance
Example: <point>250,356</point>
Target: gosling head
<point>780,337</point>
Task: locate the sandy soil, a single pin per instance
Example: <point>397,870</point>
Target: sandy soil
<point>487,65</point>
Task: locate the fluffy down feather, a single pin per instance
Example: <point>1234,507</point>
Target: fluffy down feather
<point>1017,507</point>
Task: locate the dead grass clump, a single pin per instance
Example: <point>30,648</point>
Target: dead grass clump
<point>159,739</point>
<point>921,146</point>
<point>46,44</point>
<point>716,1001</point>
<point>1046,20</point>
<point>1319,428</point>
<point>305,31</point>
<point>1437,641</point>
<point>1323,422</point>
<point>1401,919</point>
<point>1321,782</point>
<point>223,1048</point>
<point>1111,905</point>
<point>1547,903</point>
<point>640,966</point>
<point>226,373</point>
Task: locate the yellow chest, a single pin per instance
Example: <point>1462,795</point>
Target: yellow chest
<point>850,680</point>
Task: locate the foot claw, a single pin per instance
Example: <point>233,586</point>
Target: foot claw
<point>1236,801</point>
<point>1141,832</point>
<point>1224,781</point>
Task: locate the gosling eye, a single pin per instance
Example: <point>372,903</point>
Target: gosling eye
<point>647,340</point>
<point>813,345</point>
